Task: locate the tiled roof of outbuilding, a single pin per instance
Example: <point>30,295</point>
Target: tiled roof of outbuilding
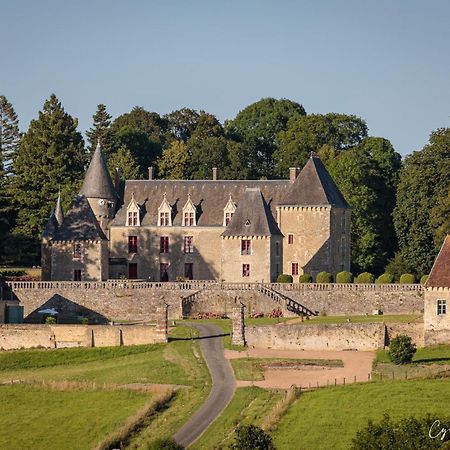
<point>80,223</point>
<point>314,187</point>
<point>252,217</point>
<point>440,272</point>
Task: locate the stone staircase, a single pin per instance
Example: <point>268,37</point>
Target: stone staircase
<point>283,300</point>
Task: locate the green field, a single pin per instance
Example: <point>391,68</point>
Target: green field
<point>249,405</point>
<point>87,391</point>
<point>330,417</point>
<point>252,369</point>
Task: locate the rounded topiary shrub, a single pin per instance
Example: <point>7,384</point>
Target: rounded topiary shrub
<point>407,278</point>
<point>305,278</point>
<point>424,279</point>
<point>402,349</point>
<point>344,277</point>
<point>324,277</point>
<point>386,278</point>
<point>284,278</point>
<point>364,278</point>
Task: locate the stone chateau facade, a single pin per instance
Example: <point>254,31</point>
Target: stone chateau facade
<point>230,230</point>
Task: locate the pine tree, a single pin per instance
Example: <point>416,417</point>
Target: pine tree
<point>51,156</point>
<point>9,134</point>
<point>100,130</point>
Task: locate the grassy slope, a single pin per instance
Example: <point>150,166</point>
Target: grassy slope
<point>330,418</point>
<point>249,405</point>
<point>38,418</point>
<point>178,362</point>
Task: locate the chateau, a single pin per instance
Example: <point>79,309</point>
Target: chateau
<point>229,230</point>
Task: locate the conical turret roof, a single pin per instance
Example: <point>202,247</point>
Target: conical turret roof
<point>97,182</point>
<point>314,187</point>
<point>59,213</point>
<point>252,217</point>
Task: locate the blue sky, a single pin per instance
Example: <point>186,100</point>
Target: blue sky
<point>386,61</point>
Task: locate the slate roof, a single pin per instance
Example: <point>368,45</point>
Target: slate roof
<point>314,187</point>
<point>80,223</point>
<point>51,227</point>
<point>209,196</point>
<point>97,182</point>
<point>440,272</point>
<point>252,217</point>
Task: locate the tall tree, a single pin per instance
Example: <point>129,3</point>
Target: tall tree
<point>174,162</point>
<point>99,132</point>
<point>207,153</point>
<point>257,127</point>
<point>424,184</point>
<point>182,122</point>
<point>9,134</point>
<point>143,132</point>
<point>127,165</point>
<point>51,156</point>
<point>309,133</point>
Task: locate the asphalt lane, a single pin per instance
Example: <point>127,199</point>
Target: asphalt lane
<point>223,385</point>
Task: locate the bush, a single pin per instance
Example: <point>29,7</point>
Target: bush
<point>407,278</point>
<point>284,278</point>
<point>305,278</point>
<point>424,279</point>
<point>84,321</point>
<point>50,320</point>
<point>386,278</point>
<point>251,437</point>
<point>402,349</point>
<point>407,434</point>
<point>344,277</point>
<point>364,278</point>
<point>164,444</point>
<point>324,277</point>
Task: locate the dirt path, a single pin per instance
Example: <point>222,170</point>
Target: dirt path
<point>356,364</point>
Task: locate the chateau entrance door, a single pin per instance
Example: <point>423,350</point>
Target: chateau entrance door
<point>189,271</point>
<point>132,271</point>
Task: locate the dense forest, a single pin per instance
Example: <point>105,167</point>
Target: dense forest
<point>400,208</point>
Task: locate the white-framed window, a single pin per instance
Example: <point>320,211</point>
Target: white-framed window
<point>164,219</point>
<point>133,213</point>
<point>132,218</point>
<point>165,213</point>
<point>228,211</point>
<point>441,307</point>
<point>228,217</point>
<point>294,268</point>
<point>189,213</point>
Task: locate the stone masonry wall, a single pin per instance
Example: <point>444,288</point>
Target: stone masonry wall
<point>103,302</point>
<point>349,336</point>
<point>60,336</point>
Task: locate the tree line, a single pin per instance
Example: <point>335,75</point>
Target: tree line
<point>400,209</point>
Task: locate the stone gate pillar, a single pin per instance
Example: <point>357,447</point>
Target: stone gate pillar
<point>238,325</point>
<point>162,323</point>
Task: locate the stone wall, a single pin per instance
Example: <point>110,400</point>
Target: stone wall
<point>348,336</point>
<point>414,330</point>
<point>60,336</point>
<point>118,301</point>
<point>436,326</point>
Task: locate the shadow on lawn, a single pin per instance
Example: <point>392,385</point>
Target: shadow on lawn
<point>195,338</point>
<point>431,360</point>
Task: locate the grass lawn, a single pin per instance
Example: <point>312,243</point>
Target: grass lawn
<point>388,318</point>
<point>426,362</point>
<point>330,417</point>
<point>252,369</point>
<point>38,418</point>
<point>248,406</point>
<point>178,362</point>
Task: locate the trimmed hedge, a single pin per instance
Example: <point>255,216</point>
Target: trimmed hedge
<point>364,278</point>
<point>407,278</point>
<point>324,277</point>
<point>386,278</point>
<point>284,278</point>
<point>305,278</point>
<point>344,277</point>
<point>424,279</point>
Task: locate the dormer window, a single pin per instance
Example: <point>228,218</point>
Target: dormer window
<point>228,211</point>
<point>165,213</point>
<point>189,213</point>
<point>133,213</point>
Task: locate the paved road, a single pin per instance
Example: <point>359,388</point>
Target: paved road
<point>223,385</point>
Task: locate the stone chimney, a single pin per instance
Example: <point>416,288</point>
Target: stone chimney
<point>214,173</point>
<point>150,173</point>
<point>293,173</point>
